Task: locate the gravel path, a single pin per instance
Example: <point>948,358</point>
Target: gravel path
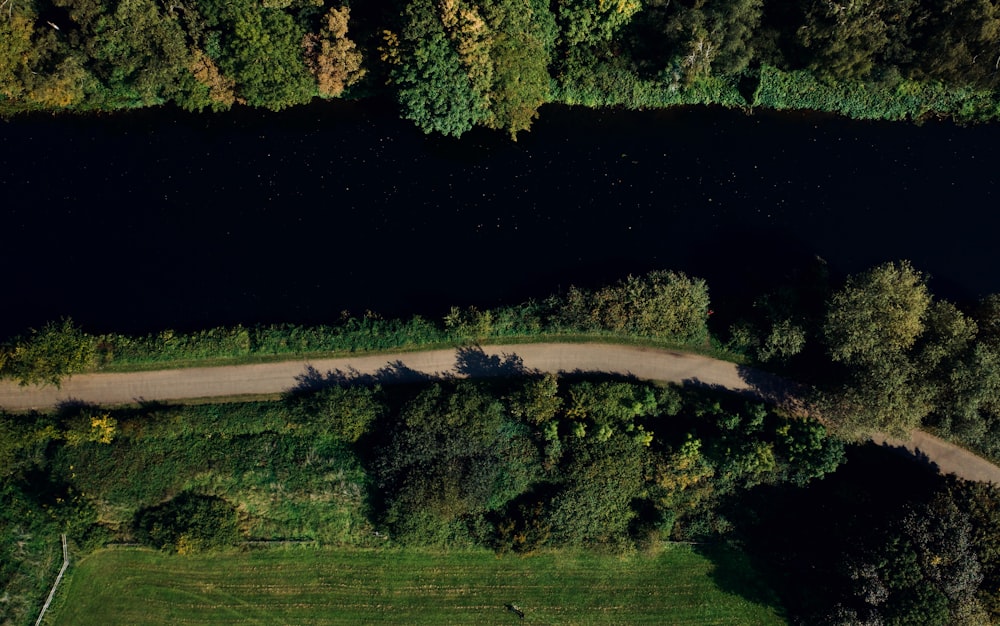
<point>272,378</point>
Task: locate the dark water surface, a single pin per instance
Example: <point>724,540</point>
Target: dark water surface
<point>163,219</point>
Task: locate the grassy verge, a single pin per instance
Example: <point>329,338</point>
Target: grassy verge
<point>894,100</point>
<point>311,586</point>
<point>35,560</point>
<point>246,359</point>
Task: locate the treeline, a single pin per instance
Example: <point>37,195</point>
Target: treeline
<point>513,464</point>
<point>884,354</point>
<point>456,64</point>
<point>881,541</point>
<point>660,306</point>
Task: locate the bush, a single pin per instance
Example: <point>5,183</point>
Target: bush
<point>48,355</point>
<point>188,523</point>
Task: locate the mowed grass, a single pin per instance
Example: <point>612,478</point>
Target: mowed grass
<point>328,586</point>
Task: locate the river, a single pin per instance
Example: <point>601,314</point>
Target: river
<point>161,218</point>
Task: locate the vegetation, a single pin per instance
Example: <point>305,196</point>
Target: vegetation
<point>522,465</point>
<point>900,545</point>
<point>666,307</point>
<point>349,586</point>
<point>457,64</point>
<point>543,466</point>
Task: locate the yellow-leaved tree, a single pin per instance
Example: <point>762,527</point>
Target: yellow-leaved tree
<point>333,58</point>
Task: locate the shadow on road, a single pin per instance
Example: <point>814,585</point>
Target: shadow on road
<point>473,362</point>
<point>916,455</point>
<point>312,380</point>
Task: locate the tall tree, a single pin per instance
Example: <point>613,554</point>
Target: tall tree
<point>333,58</point>
<point>848,40</point>
<point>433,87</point>
<point>878,315</point>
<point>465,63</point>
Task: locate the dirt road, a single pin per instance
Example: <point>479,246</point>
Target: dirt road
<point>272,378</point>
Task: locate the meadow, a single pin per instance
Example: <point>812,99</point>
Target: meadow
<point>308,585</point>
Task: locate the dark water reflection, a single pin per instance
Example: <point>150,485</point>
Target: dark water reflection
<point>161,218</point>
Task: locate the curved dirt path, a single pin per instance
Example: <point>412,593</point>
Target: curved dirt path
<point>273,378</point>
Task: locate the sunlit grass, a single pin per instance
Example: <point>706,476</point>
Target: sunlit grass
<point>336,586</point>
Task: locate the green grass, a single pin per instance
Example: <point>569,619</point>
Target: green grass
<point>327,586</point>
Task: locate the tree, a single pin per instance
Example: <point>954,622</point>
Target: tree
<point>848,40</point>
<point>809,450</point>
<point>588,23</point>
<point>345,412</point>
<point>520,53</point>
<point>877,316</point>
<point>981,503</point>
<point>46,356</point>
<point>36,66</point>
<point>15,49</point>
<point>709,36</point>
<point>465,63</point>
<point>260,49</point>
<point>433,87</point>
<point>602,478</point>
<point>663,304</point>
<point>455,457</point>
<point>956,43</point>
<point>333,58</point>
<point>139,53</point>
<point>537,402</point>
<point>785,340</point>
<point>221,89</point>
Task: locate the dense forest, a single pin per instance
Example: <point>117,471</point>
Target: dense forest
<point>456,64</point>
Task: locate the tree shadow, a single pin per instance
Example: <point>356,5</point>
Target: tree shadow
<point>776,390</point>
<point>472,361</point>
<point>697,383</point>
<point>598,376</point>
<point>395,372</point>
<point>916,455</point>
<point>734,573</point>
<point>71,407</point>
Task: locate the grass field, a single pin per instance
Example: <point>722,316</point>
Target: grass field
<point>327,586</point>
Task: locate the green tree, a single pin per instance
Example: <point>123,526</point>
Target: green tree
<point>602,479</point>
<point>848,40</point>
<point>455,457</point>
<point>46,356</point>
<point>785,340</point>
<point>956,43</point>
<point>15,49</point>
<point>872,326</point>
<point>663,304</point>
<point>348,413</point>
<point>432,85</point>
<point>586,23</point>
<point>981,503</point>
<point>520,52</point>
<point>709,37</point>
<point>808,449</point>
<point>139,53</point>
<point>260,48</point>
<point>537,401</point>
<point>465,63</point>
<point>878,315</point>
